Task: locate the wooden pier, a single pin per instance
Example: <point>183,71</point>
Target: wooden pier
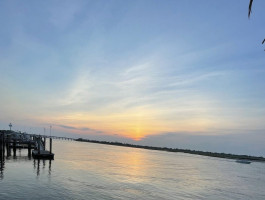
<point>36,144</point>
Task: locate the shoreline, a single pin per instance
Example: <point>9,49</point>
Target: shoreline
<point>195,152</point>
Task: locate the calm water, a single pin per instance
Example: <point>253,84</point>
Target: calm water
<point>96,171</point>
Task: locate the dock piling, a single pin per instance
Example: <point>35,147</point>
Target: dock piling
<point>39,141</point>
<point>50,145</point>
<point>8,149</point>
<point>14,148</point>
<point>44,145</point>
<point>1,144</point>
<point>29,149</point>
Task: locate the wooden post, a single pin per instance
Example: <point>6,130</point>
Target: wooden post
<point>29,148</point>
<point>50,145</point>
<point>14,148</point>
<point>4,144</point>
<point>44,145</point>
<point>1,144</point>
<point>8,150</point>
<point>39,141</point>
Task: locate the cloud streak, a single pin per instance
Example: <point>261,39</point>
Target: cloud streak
<point>85,129</point>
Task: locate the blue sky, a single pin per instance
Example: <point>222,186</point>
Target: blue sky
<point>135,70</point>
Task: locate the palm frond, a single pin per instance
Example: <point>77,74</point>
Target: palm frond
<point>249,8</point>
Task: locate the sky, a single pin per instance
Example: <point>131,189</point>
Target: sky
<point>176,73</point>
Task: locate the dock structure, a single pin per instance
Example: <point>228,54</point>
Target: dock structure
<point>14,140</point>
<point>36,144</point>
<point>40,152</point>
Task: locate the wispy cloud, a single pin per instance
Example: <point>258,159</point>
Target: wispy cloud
<point>79,129</point>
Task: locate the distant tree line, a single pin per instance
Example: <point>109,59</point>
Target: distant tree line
<point>203,153</point>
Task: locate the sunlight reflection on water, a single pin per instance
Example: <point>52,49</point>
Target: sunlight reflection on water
<point>96,171</point>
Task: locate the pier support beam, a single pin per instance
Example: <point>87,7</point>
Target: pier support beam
<point>50,145</point>
<point>29,149</point>
<point>14,148</point>
<point>44,145</point>
<point>1,144</point>
<point>39,141</point>
<point>8,150</point>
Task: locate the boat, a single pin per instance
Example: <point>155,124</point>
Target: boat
<point>244,161</point>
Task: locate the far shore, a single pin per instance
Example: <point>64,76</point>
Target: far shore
<point>202,153</point>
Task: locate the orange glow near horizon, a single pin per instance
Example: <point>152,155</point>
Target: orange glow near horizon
<point>134,124</point>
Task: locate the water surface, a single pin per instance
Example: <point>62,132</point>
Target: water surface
<point>96,171</point>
